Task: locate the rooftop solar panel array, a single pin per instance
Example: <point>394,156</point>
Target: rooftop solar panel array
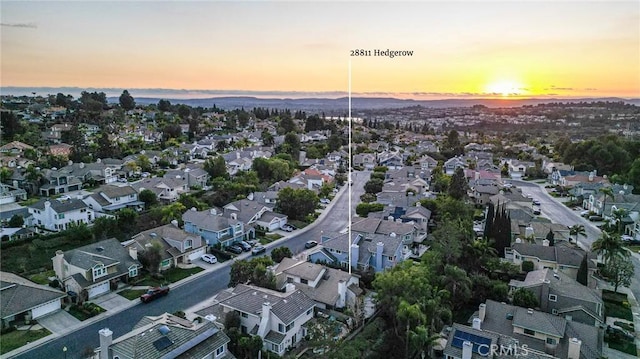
<point>481,345</point>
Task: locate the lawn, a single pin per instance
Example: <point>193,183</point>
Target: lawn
<point>132,294</point>
<point>43,277</point>
<point>33,257</point>
<point>171,275</point>
<point>616,305</point>
<point>627,346</point>
<point>17,338</point>
<point>85,311</point>
<point>635,248</point>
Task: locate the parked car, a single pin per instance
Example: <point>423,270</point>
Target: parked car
<point>626,238</point>
<point>234,248</point>
<point>154,293</point>
<point>288,228</point>
<point>252,242</point>
<point>536,212</point>
<point>258,250</point>
<point>536,202</point>
<point>245,246</point>
<point>325,201</point>
<point>209,258</point>
<point>310,244</point>
<point>595,218</point>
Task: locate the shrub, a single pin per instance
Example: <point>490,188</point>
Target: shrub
<point>527,266</point>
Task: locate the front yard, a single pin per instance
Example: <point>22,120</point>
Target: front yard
<point>171,275</point>
<point>17,338</point>
<point>616,305</point>
<point>85,311</point>
<point>132,294</point>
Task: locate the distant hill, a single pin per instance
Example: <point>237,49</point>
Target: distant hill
<point>358,103</point>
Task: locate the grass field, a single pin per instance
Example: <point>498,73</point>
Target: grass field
<point>18,338</point>
<point>132,294</point>
<point>171,275</point>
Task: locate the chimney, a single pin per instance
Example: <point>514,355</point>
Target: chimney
<point>390,218</point>
<point>477,323</point>
<point>81,165</point>
<point>58,266</point>
<point>399,220</point>
<point>194,209</point>
<point>379,249</point>
<point>574,348</point>
<point>133,252</point>
<point>545,242</point>
<point>591,176</point>
<point>482,311</point>
<point>106,337</point>
<point>213,211</point>
<point>342,294</point>
<point>467,349</point>
<point>528,232</point>
<point>47,204</point>
<point>289,287</point>
<point>210,317</point>
<point>175,223</point>
<point>355,255</point>
<point>234,216</point>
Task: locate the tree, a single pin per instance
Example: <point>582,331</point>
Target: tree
<point>363,209</point>
<point>373,186</point>
<point>126,101</point>
<point>151,257</point>
<point>216,167</point>
<point>106,227</point>
<point>164,105</point>
<point>173,212</point>
<point>297,204</point>
<point>618,216</point>
<point>619,271</point>
<point>252,271</point>
<point>583,271</point>
<point>607,192</point>
<point>523,297</point>
<point>148,197</point>
<point>458,185</point>
<point>456,281</point>
<point>610,246</point>
<point>11,125</point>
<point>577,230</point>
<point>267,138</point>
<point>184,111</point>
<point>279,253</point>
<point>551,238</point>
<point>16,221</point>
<point>127,221</point>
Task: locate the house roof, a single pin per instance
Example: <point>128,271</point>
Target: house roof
<point>302,269</point>
<point>162,235</point>
<point>19,296</point>
<point>107,252</point>
<point>539,321</point>
<point>181,338</point>
<point>460,333</point>
<point>115,191</point>
<point>208,221</point>
<point>286,306</point>
<point>244,208</point>
<point>69,205</point>
<point>561,284</point>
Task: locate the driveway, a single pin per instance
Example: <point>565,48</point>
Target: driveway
<point>58,322</point>
<point>112,301</point>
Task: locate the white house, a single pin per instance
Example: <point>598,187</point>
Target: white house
<point>58,215</point>
<point>110,198</point>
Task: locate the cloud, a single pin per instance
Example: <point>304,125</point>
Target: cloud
<point>26,25</point>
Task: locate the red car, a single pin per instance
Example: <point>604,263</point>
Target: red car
<point>154,293</point>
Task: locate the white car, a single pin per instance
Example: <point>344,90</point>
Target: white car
<point>325,201</point>
<point>626,238</point>
<point>209,258</point>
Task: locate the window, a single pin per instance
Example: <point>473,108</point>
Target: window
<point>61,216</point>
<point>275,348</point>
<point>244,315</point>
<point>551,341</point>
<point>529,332</point>
<point>188,244</point>
<point>281,328</point>
<point>243,329</point>
<point>554,311</point>
<point>304,281</point>
<point>220,351</point>
<point>99,271</point>
<point>289,280</point>
<point>133,271</point>
<point>553,297</point>
<point>290,326</point>
<point>309,311</point>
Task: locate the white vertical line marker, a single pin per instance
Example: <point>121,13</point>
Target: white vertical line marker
<point>349,177</point>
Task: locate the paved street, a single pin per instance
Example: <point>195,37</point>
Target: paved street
<point>199,289</point>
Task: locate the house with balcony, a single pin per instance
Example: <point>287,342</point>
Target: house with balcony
<point>330,288</point>
<point>278,318</point>
<point>213,227</point>
<point>166,336</point>
<point>57,215</point>
<point>562,295</point>
<point>96,268</point>
<point>178,246</point>
<point>516,332</point>
<point>110,198</point>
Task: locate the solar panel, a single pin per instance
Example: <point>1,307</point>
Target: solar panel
<point>480,344</point>
<point>162,343</point>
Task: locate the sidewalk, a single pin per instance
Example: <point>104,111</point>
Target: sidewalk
<point>115,303</point>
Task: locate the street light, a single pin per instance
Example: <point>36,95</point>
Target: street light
<point>64,350</point>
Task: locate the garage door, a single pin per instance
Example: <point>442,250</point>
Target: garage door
<point>197,254</point>
<point>45,309</point>
<point>96,291</point>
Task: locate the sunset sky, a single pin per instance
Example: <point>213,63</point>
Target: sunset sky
<point>461,49</point>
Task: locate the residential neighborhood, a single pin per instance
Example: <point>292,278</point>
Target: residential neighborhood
<point>252,232</point>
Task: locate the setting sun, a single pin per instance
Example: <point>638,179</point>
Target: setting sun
<point>506,88</point>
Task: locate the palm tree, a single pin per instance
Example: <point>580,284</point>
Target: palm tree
<point>577,230</point>
<point>610,245</point>
<point>618,216</point>
<point>607,192</point>
<point>457,282</point>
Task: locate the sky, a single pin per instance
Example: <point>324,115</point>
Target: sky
<point>504,49</point>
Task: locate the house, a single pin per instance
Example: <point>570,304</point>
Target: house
<point>95,268</point>
<point>15,148</point>
<point>501,329</point>
<point>54,134</point>
<point>9,194</point>
<point>278,318</point>
<point>166,336</point>
<point>364,160</point>
<point>110,198</point>
<point>166,189</point>
<point>426,162</point>
<point>57,215</point>
<point>517,168</point>
<point>377,251</point>
<point>58,182</point>
<point>251,211</point>
<point>563,257</point>
<point>330,288</point>
<point>12,234</point>
<point>562,295</point>
<point>390,160</point>
<point>214,228</point>
<point>408,231</point>
<point>481,194</point>
<point>178,246</point>
<point>195,176</point>
<point>23,300</point>
<point>452,164</point>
